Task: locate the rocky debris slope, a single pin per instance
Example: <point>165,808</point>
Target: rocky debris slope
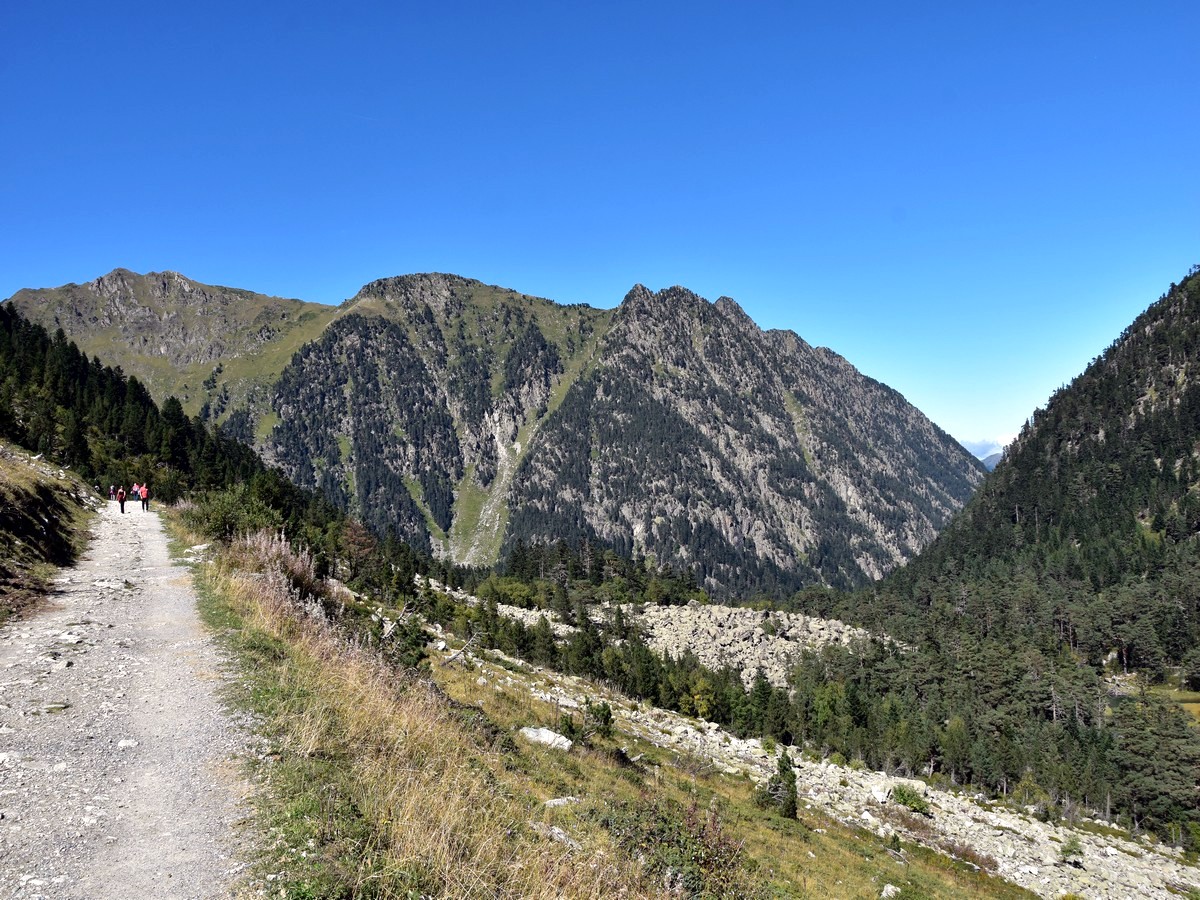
<point>742,639</point>
<point>745,640</point>
<point>1004,840</point>
<point>117,771</point>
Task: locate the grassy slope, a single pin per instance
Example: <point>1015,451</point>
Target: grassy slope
<point>254,372</point>
<point>379,785</point>
<point>242,375</point>
<point>43,525</point>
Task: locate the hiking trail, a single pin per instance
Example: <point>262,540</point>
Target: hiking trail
<point>119,775</point>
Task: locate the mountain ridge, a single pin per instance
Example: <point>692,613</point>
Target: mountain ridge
<point>470,465</point>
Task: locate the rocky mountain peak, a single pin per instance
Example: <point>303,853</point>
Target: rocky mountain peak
<point>438,291</point>
<point>125,284</point>
<point>669,299</point>
<point>730,308</point>
<point>638,295</point>
<point>118,281</point>
<point>468,416</point>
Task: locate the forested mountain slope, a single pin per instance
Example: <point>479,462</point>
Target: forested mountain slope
<point>466,418</point>
<point>415,404</point>
<point>1043,615</point>
<point>750,458</point>
<point>1087,531</point>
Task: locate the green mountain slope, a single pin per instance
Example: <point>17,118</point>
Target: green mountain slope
<point>214,348</point>
<point>1087,530</point>
<point>466,417</point>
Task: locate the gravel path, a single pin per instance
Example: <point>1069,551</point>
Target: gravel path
<point>118,776</point>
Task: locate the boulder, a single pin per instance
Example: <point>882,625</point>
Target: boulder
<point>548,738</point>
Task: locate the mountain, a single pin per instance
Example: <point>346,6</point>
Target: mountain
<point>992,460</point>
<point>214,348</point>
<point>750,457</point>
<point>1093,516</point>
<point>470,419</point>
<point>415,405</point>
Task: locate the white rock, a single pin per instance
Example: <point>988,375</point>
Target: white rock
<point>551,739</point>
<point>889,891</point>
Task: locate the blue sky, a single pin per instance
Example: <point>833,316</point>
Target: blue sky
<point>968,201</point>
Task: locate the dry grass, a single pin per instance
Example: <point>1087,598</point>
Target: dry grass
<point>389,785</point>
<point>435,809</point>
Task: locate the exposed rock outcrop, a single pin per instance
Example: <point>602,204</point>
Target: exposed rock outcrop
<point>467,417</point>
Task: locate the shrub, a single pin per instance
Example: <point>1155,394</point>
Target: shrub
<point>229,513</point>
<point>909,798</point>
<point>779,792</point>
<point>685,848</point>
<point>1071,852</point>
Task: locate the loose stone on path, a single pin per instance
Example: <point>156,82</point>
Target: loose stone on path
<point>118,772</point>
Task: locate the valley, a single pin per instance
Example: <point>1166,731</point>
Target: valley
<point>631,470</point>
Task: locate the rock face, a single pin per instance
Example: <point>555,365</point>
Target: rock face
<point>749,457</point>
<point>467,417</point>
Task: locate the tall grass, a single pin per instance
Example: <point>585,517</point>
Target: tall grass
<point>382,783</point>
<point>418,801</point>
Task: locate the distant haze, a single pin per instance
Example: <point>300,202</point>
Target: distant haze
<point>985,448</point>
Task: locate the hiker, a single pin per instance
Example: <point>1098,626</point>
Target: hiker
<point>112,492</point>
<point>135,491</point>
<point>145,498</point>
<point>121,499</point>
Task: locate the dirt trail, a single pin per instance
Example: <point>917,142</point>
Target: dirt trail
<point>118,776</point>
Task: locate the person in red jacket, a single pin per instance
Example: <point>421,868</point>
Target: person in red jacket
<point>145,497</point>
<point>121,498</point>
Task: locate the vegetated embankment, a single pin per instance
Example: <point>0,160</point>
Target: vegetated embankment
<point>389,781</point>
<point>43,525</point>
<point>375,783</point>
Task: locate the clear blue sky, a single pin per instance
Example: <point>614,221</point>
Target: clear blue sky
<point>969,201</point>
